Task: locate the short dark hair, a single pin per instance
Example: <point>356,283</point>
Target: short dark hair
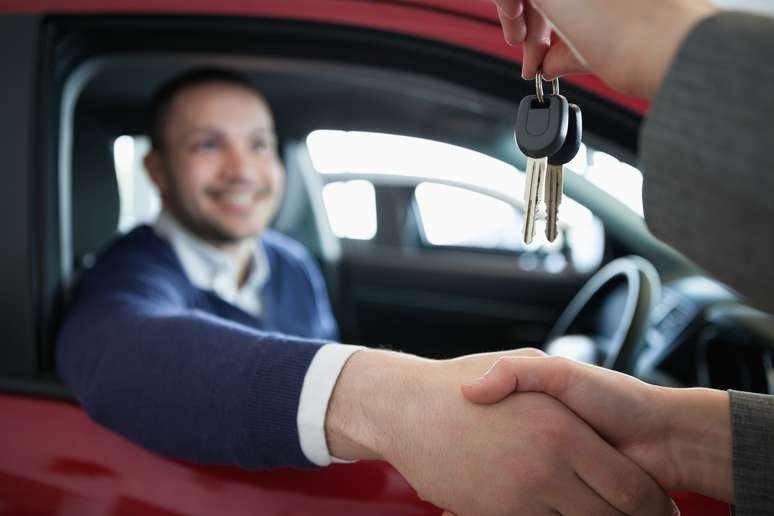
<point>158,109</point>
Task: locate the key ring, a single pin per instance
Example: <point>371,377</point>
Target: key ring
<point>539,86</point>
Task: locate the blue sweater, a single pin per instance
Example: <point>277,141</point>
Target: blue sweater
<point>184,373</point>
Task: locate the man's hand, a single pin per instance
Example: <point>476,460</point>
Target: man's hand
<point>681,437</point>
<point>628,43</point>
<point>528,455</point>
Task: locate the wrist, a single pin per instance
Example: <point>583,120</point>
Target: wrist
<point>675,29</point>
<point>371,390</point>
<point>700,441</point>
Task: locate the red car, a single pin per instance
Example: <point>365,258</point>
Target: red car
<point>397,115</point>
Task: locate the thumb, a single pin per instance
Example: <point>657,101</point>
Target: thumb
<point>561,60</point>
<point>511,374</point>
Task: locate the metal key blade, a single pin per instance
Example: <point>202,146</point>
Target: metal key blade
<point>553,198</point>
<point>534,181</point>
<point>555,170</point>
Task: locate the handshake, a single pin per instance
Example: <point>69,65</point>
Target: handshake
<point>522,433</point>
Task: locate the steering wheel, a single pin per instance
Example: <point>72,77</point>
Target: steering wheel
<point>606,321</point>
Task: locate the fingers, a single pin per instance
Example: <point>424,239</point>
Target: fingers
<point>620,481</point>
<point>509,374</point>
<point>511,14</point>
<point>511,8</point>
<point>578,498</point>
<point>561,60</point>
<point>523,23</point>
<point>526,352</point>
<point>497,383</point>
<point>536,42</point>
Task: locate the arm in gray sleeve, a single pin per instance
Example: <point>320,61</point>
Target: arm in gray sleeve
<point>752,426</point>
<point>708,164</point>
<point>708,153</point>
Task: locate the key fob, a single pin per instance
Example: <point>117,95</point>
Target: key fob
<point>541,128</point>
<point>572,142</point>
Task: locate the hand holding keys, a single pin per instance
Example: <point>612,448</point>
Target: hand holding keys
<point>548,131</point>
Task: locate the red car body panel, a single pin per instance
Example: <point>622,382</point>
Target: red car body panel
<point>471,24</point>
<point>54,460</point>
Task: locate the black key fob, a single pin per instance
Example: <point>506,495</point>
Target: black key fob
<point>572,142</point>
<point>541,128</point>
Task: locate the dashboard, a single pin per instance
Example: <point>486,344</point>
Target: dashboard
<point>702,334</point>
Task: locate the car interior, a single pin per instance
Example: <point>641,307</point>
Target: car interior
<point>413,140</point>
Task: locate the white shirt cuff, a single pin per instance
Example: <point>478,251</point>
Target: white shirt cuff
<point>316,392</point>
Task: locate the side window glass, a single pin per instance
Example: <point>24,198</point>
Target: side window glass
<point>462,198</point>
<point>619,179</point>
<point>140,202</point>
<point>453,216</point>
<point>351,208</point>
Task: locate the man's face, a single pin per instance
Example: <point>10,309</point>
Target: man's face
<point>219,173</point>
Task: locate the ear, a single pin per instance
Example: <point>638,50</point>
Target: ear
<point>154,164</point>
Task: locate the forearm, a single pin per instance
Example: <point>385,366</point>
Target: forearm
<point>752,424</point>
<point>186,384</point>
<point>373,387</point>
<point>383,401</point>
<point>699,434</point>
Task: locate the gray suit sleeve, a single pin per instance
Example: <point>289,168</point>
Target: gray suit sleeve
<point>707,152</point>
<point>708,164</point>
<point>752,425</point>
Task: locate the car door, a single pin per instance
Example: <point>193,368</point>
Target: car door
<point>53,458</point>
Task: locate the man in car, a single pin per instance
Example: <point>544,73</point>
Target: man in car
<point>209,337</point>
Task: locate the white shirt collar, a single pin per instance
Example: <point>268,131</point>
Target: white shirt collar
<point>209,268</point>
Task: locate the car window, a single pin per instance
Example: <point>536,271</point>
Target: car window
<point>139,200</point>
<point>464,198</point>
<point>484,221</point>
<point>611,175</point>
<point>351,208</point>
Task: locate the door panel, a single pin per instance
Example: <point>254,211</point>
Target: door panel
<point>441,303</point>
<point>70,465</point>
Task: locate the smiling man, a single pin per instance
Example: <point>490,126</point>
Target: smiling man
<point>214,161</point>
<point>209,337</point>
<point>207,276</point>
<point>214,158</point>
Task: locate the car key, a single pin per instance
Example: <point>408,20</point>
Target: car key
<point>555,170</point>
<point>541,128</point>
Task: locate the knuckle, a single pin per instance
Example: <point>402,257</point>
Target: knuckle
<point>561,380</point>
<point>532,352</point>
<point>557,361</point>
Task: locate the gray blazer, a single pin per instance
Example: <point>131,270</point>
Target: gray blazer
<point>708,162</point>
